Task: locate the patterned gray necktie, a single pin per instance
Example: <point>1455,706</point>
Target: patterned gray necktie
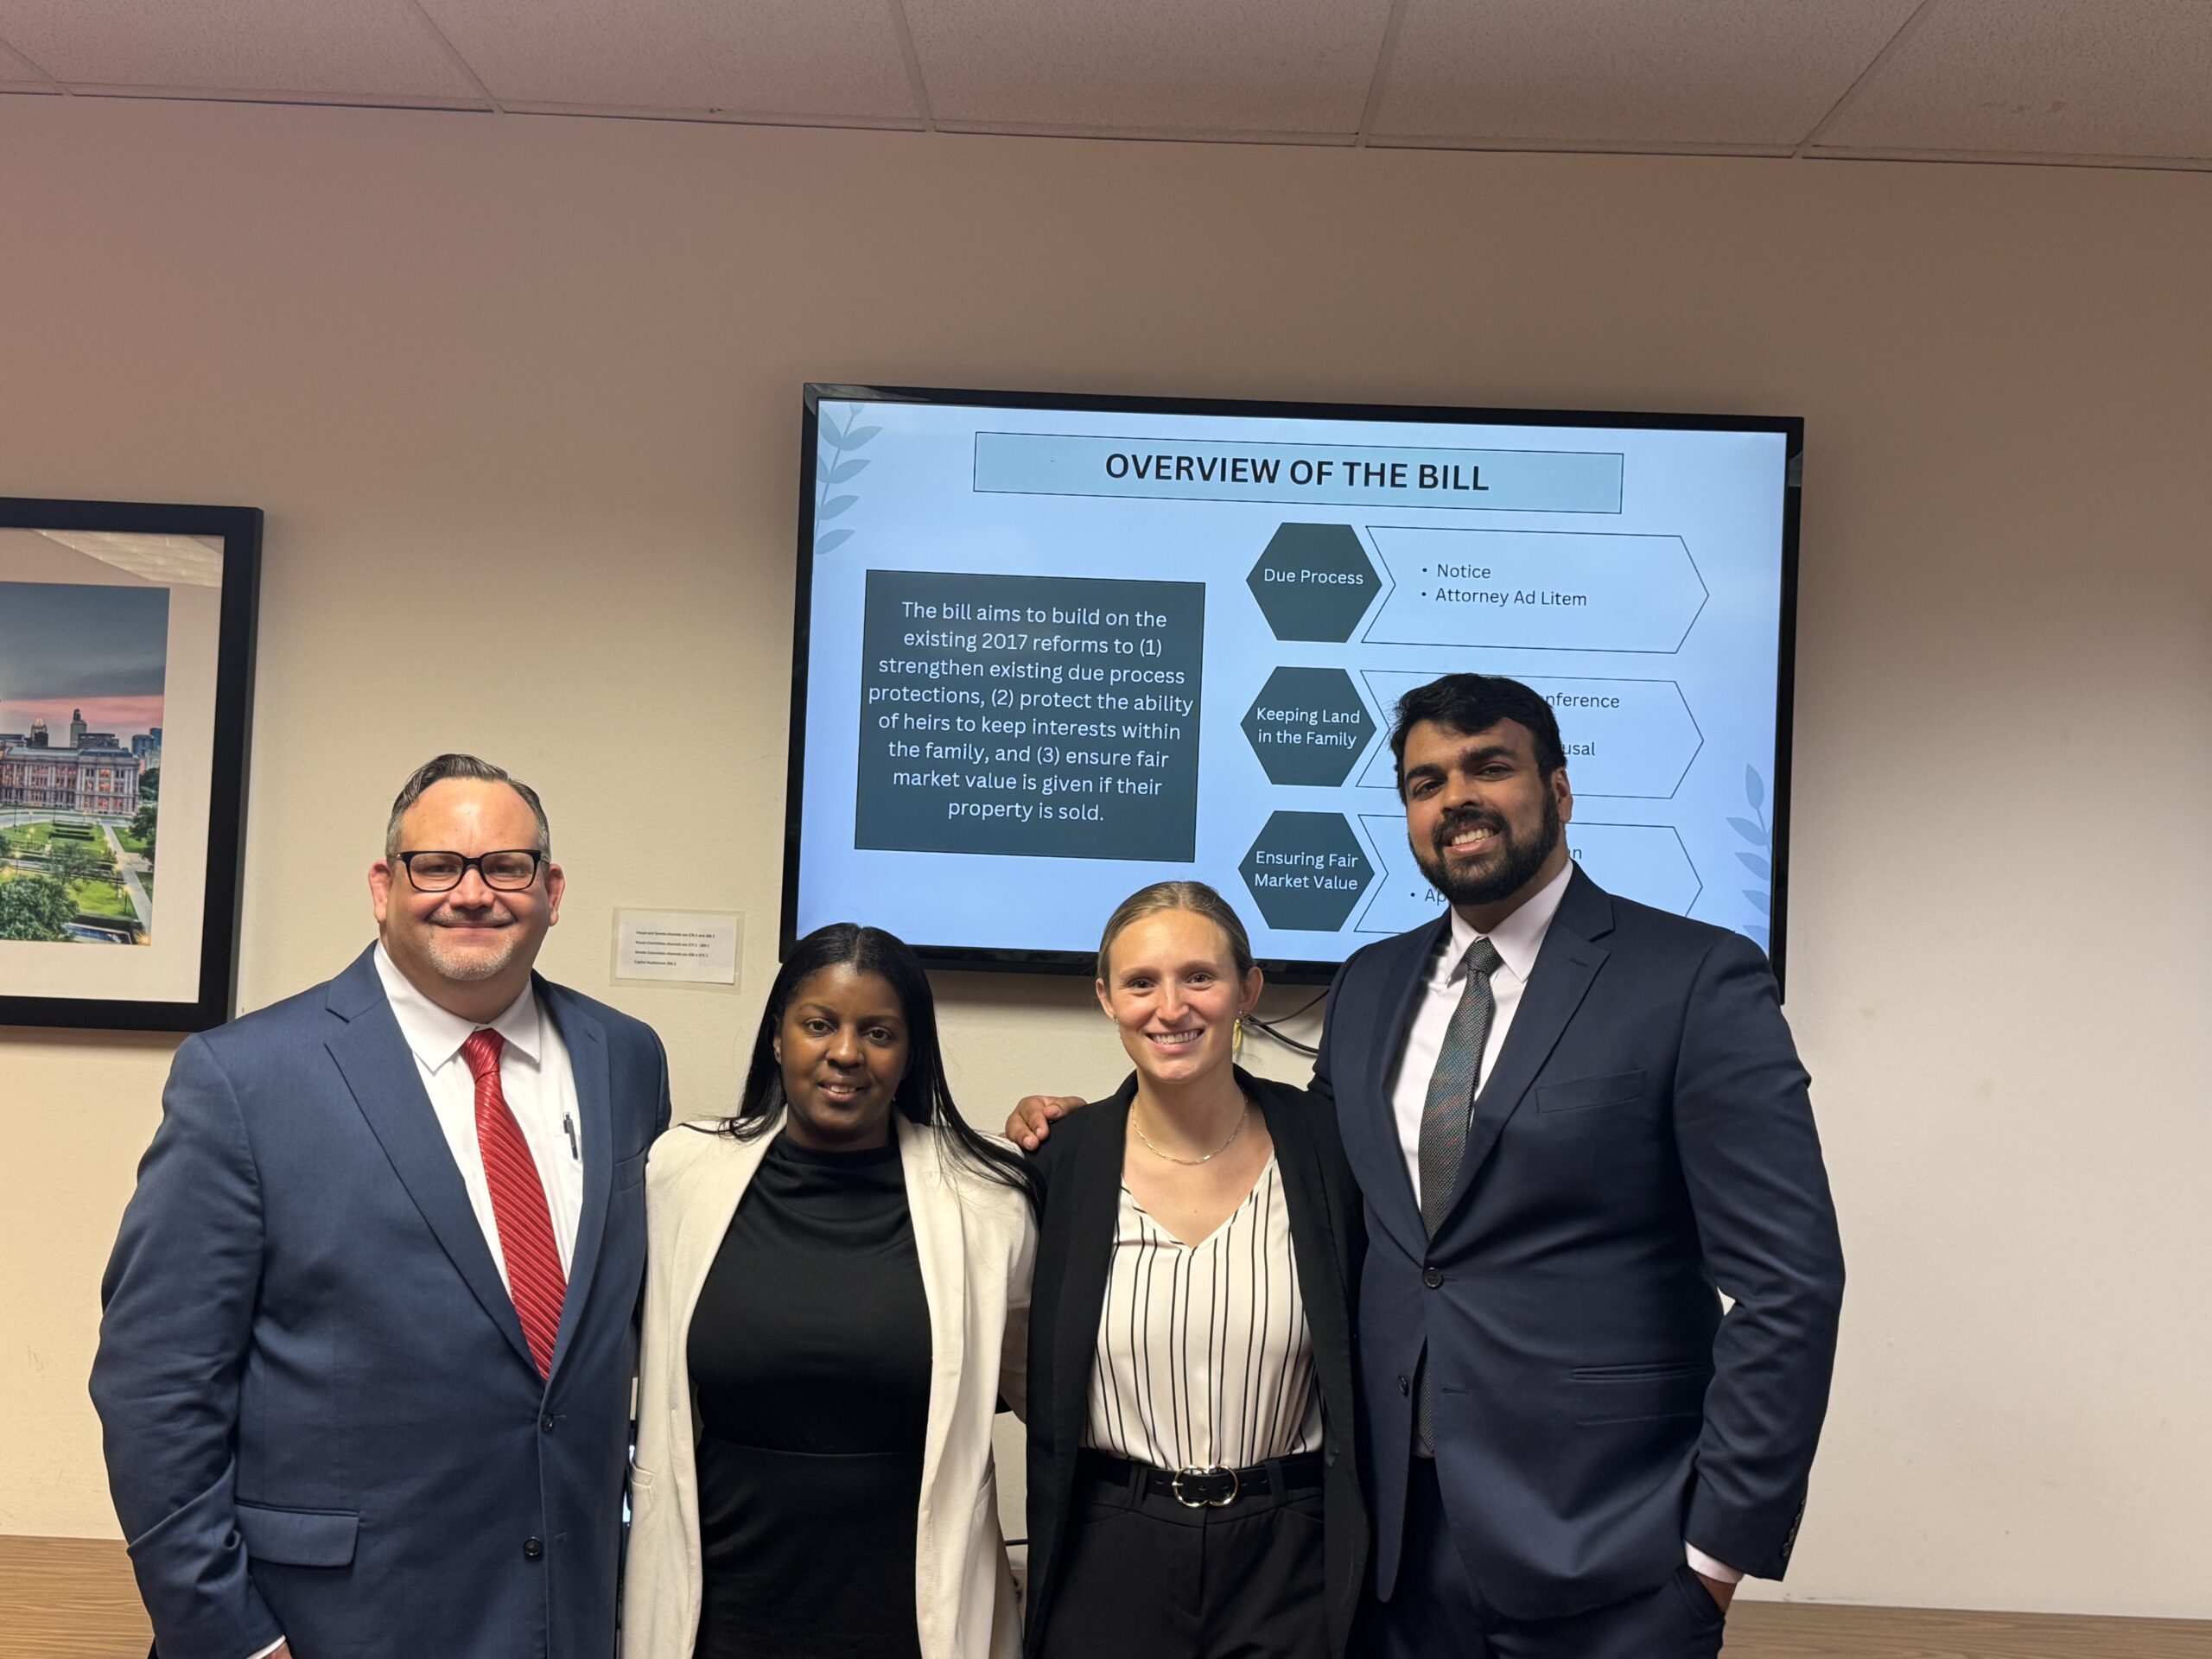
<point>1444,1125</point>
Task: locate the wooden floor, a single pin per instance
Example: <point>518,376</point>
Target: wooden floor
<point>68,1598</point>
<point>1771,1630</point>
<point>71,1598</point>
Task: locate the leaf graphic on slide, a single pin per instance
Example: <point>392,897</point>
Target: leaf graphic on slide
<point>837,467</point>
<point>1757,936</point>
<point>1754,830</point>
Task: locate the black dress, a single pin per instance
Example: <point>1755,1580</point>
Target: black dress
<point>810,1351</point>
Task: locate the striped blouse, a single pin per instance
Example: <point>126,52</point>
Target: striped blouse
<point>1204,1357</point>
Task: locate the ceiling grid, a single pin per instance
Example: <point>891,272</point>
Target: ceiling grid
<point>2104,82</point>
<point>454,55</point>
<point>1897,41</point>
<point>914,76</point>
<point>1379,82</point>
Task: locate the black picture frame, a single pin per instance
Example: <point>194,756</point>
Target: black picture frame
<point>210,998</point>
<point>967,959</point>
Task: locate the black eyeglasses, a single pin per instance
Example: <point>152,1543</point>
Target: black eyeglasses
<point>506,872</point>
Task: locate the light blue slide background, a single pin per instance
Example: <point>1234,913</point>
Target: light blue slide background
<point>1697,720</point>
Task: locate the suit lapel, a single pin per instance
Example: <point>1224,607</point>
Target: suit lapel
<point>1094,1184</point>
<point>586,1040</point>
<point>714,1184</point>
<point>1569,961</point>
<point>940,1246</point>
<point>374,1059</point>
<point>1404,977</point>
<point>1313,1248</point>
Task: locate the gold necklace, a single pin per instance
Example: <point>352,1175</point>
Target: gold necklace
<point>1209,1157</point>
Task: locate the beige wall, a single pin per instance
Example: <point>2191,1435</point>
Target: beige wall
<point>520,398</point>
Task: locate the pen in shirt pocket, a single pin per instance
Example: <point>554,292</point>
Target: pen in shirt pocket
<point>568,1127</point>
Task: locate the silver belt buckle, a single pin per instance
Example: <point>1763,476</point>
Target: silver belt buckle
<point>1176,1486</point>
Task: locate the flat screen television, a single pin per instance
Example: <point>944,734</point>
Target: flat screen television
<point>1051,648</point>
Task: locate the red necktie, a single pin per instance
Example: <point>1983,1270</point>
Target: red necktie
<point>534,1276</point>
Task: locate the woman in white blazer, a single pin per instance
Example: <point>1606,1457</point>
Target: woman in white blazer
<point>836,1303</point>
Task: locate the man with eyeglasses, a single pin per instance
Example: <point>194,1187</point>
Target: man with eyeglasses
<point>365,1364</point>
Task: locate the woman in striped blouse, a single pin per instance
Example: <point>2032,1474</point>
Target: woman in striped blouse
<point>1193,1480</point>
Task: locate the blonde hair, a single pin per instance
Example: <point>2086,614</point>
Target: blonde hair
<point>1194,896</point>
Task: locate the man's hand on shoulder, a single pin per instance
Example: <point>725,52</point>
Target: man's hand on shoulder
<point>1032,1120</point>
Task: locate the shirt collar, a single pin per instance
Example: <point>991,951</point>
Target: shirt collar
<point>1519,936</point>
<point>433,1035</point>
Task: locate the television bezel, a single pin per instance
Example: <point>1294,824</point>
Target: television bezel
<point>1281,970</point>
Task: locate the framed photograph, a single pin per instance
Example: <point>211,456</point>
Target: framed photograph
<point>126,688</point>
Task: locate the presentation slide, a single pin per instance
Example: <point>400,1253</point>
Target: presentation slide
<point>1049,655</point>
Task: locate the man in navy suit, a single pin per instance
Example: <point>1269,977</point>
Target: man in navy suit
<point>1575,1121</point>
<point>366,1362</point>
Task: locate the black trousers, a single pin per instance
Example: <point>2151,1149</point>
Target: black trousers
<point>1143,1577</point>
<point>1436,1613</point>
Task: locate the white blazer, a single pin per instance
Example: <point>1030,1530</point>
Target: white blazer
<point>976,1243</point>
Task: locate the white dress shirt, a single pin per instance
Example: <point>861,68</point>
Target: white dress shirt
<point>1519,937</point>
<point>535,1075</point>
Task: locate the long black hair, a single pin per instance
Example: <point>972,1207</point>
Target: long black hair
<point>922,1097</point>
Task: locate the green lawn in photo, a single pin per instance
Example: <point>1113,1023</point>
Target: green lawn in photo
<point>103,898</point>
<point>29,840</point>
<point>131,843</point>
<point>146,880</point>
<point>32,837</point>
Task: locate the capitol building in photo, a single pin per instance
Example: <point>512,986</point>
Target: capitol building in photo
<point>94,775</point>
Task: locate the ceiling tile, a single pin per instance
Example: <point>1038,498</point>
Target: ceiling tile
<point>14,69</point>
<point>1751,73</point>
<point>366,49</point>
<point>17,76</point>
<point>816,57</point>
<point>2043,76</point>
<point>1259,67</point>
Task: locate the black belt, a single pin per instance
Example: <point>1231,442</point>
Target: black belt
<point>1205,1489</point>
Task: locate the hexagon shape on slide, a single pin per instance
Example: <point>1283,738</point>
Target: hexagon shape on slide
<point>1314,581</point>
<point>1309,726</point>
<point>1305,871</point>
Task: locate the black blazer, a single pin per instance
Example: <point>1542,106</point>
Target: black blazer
<point>1079,1168</point>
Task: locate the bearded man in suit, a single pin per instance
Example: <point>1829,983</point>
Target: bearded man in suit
<point>1575,1123</point>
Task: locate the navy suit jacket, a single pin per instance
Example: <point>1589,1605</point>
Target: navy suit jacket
<point>322,1417</point>
<point>1643,1140</point>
